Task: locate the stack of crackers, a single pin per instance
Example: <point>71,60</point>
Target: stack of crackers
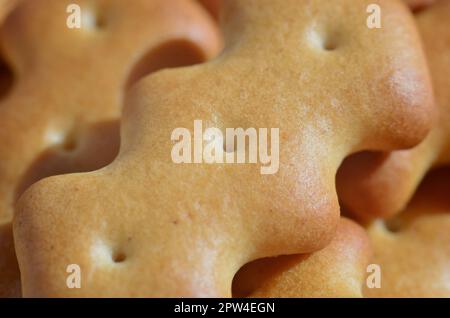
<point>224,148</point>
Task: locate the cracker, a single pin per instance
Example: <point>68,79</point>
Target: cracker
<point>145,226</point>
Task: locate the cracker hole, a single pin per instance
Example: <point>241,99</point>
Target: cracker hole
<point>245,147</point>
<point>229,148</point>
<point>175,53</point>
<point>105,254</point>
<point>327,41</point>
<point>94,19</point>
<point>94,146</point>
<point>101,21</point>
<point>330,44</point>
<point>393,225</point>
<point>119,257</point>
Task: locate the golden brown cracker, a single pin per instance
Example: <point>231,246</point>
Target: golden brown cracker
<point>145,226</point>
